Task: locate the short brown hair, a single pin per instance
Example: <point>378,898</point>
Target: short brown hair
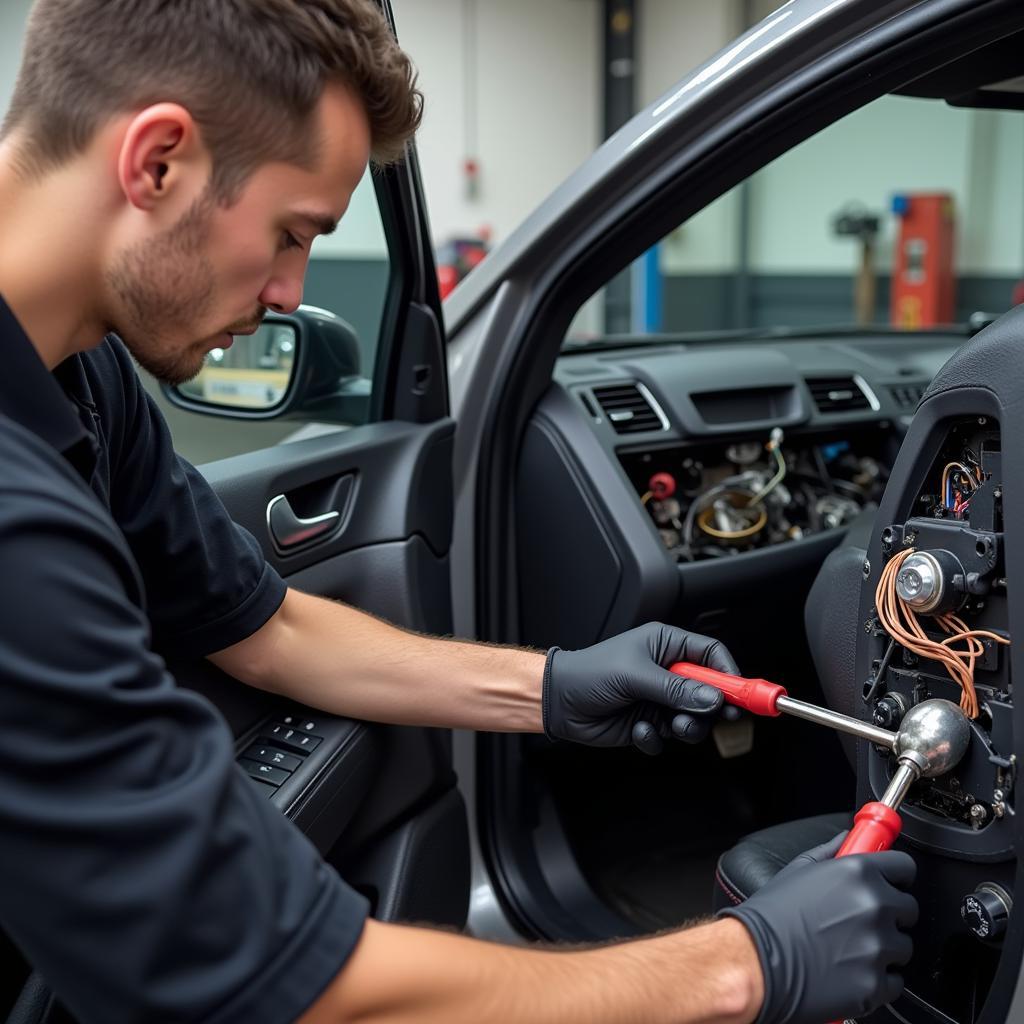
<point>250,72</point>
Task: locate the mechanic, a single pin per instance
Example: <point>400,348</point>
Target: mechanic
<point>164,168</point>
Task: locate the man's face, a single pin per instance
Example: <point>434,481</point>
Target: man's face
<point>175,295</point>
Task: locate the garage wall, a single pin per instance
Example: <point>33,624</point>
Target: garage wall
<point>676,36</point>
<point>13,14</point>
<point>801,273</point>
<point>516,85</point>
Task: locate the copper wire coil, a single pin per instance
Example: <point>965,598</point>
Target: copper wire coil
<point>903,625</point>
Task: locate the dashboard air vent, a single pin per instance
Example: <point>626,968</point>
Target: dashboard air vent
<point>630,408</point>
<point>838,394</point>
<point>907,396</point>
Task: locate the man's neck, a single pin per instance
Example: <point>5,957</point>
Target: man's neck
<point>48,258</point>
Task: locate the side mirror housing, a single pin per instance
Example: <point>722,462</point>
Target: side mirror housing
<point>303,365</point>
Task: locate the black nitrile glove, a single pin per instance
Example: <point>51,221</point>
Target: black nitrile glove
<point>831,934</point>
<point>619,692</point>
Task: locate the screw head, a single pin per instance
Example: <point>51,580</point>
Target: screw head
<point>867,568</point>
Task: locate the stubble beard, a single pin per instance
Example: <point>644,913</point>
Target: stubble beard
<point>164,289</point>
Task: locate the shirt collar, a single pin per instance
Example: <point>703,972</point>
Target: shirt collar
<point>29,393</point>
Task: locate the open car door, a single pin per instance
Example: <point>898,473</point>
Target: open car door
<point>355,506</point>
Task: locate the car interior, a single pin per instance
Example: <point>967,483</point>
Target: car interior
<point>751,481</point>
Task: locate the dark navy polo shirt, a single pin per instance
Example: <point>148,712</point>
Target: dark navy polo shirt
<point>142,873</point>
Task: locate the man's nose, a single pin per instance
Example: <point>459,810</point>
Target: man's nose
<point>282,294</point>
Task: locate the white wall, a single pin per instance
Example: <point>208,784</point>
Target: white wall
<point>676,36</point>
<point>536,101</point>
<point>13,15</point>
<point>538,113</point>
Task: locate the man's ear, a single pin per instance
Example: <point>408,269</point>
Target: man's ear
<point>162,155</point>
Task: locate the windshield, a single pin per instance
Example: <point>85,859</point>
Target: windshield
<point>907,213</point>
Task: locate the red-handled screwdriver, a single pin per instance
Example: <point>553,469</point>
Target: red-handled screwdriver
<point>932,738</point>
<point>765,698</point>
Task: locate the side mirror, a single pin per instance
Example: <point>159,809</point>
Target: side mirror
<point>302,365</point>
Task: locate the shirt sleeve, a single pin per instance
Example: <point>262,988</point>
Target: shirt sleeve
<point>145,876</point>
<point>208,584</point>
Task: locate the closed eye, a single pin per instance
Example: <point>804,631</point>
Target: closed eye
<point>289,241</point>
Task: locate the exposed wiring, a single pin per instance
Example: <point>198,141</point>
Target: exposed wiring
<point>774,446</point>
<point>775,480</point>
<point>965,481</point>
<point>849,487</point>
<point>647,497</point>
<point>904,626</point>
<point>972,460</point>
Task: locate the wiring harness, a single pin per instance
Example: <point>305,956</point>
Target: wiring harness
<point>904,626</point>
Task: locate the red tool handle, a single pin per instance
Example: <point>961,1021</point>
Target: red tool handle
<point>757,695</point>
<point>875,828</point>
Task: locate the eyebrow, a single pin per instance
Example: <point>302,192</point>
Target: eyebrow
<point>324,225</point>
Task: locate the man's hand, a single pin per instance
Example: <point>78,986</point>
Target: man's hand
<point>831,934</point>
<point>619,691</point>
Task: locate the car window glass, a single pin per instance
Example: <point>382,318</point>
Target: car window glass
<point>348,276</point>
<point>908,212</point>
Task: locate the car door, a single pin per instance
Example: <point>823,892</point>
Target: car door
<point>380,802</point>
<point>375,474</point>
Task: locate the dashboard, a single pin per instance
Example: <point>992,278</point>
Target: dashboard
<point>734,447</point>
<point>653,466</point>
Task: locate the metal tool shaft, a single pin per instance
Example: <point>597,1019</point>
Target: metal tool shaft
<point>903,778</point>
<point>834,720</point>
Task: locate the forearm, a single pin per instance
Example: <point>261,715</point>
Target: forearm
<point>705,974</point>
<point>330,656</point>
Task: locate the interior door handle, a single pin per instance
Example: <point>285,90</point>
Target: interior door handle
<point>291,531</point>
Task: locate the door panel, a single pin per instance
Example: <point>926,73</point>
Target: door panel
<point>379,801</point>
